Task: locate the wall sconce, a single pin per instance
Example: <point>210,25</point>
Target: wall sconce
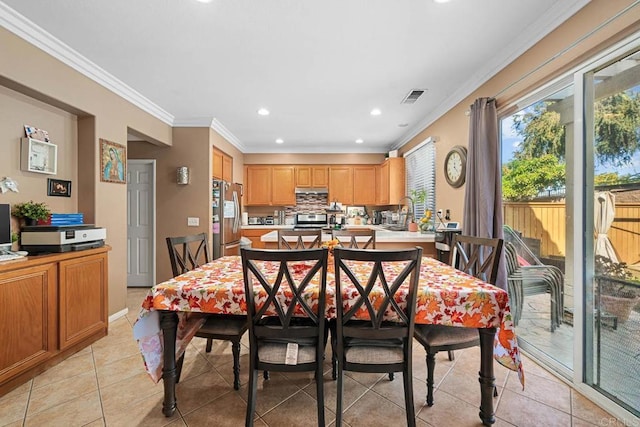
<point>182,175</point>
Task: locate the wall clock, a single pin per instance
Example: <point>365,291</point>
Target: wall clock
<point>455,166</point>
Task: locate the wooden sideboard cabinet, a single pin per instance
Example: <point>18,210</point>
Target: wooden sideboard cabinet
<point>52,306</point>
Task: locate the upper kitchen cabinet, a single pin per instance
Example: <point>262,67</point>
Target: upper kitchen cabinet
<point>283,183</point>
<point>269,185</point>
<point>364,185</point>
<point>341,184</point>
<point>312,176</point>
<point>390,181</point>
<point>222,166</point>
<point>257,185</point>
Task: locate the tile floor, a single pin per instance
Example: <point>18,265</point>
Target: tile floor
<point>105,384</point>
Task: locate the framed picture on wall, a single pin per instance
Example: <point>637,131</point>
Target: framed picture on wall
<point>58,187</point>
<point>113,162</point>
<point>38,156</point>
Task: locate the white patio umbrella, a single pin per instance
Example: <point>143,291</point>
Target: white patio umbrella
<point>604,212</point>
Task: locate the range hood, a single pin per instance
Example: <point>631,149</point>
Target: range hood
<point>312,190</point>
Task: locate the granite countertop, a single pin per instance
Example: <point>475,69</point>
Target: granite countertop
<point>382,235</point>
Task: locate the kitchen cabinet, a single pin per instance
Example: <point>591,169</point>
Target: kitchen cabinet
<point>257,185</point>
<point>390,181</point>
<point>222,166</point>
<point>312,176</point>
<point>341,184</point>
<point>269,185</point>
<point>254,234</point>
<point>364,185</point>
<point>283,183</point>
<point>52,306</point>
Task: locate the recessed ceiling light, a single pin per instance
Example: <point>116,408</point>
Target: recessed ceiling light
<point>263,112</point>
<point>376,112</point>
<point>403,125</point>
<point>279,141</point>
<point>359,141</point>
<point>441,1</point>
<point>204,1</point>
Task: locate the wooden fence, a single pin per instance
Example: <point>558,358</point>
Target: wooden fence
<point>546,222</point>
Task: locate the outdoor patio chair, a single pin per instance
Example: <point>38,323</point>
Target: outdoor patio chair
<point>187,253</point>
<point>526,280</point>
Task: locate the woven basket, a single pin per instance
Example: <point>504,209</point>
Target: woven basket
<point>619,305</point>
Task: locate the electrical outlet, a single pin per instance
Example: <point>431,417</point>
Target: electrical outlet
<point>439,212</point>
<point>447,214</point>
<point>193,221</point>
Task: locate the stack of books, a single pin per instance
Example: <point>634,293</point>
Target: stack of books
<point>57,219</point>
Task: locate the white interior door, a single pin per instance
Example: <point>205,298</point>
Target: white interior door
<point>141,223</point>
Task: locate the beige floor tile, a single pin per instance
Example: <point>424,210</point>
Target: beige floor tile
<point>113,348</point>
<point>226,370</point>
<point>194,364</point>
<point>83,352</point>
<point>300,410</point>
<point>77,412</point>
<point>365,378</point>
<point>200,390</point>
<point>145,412</point>
<point>96,423</point>
<point>525,412</point>
<point>373,409</point>
<point>577,422</point>
<point>66,390</point>
<point>586,410</point>
<point>66,369</point>
<point>352,391</point>
<point>14,424</point>
<point>394,391</point>
<point>227,410</point>
<point>448,410</point>
<point>271,392</point>
<point>13,406</point>
<point>119,370</point>
<point>124,394</point>
<point>552,393</point>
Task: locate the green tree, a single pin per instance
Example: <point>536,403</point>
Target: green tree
<point>541,131</point>
<point>523,179</point>
<point>617,120</point>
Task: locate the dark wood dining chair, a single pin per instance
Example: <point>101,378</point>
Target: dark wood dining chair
<point>187,253</point>
<point>314,241</point>
<point>281,341</point>
<point>348,238</point>
<point>376,344</point>
<point>478,257</point>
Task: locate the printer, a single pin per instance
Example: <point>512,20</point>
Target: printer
<point>61,238</point>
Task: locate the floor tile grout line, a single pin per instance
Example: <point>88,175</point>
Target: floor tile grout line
<point>95,371</point>
<point>26,408</point>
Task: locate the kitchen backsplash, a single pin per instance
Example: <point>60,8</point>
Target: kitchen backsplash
<point>304,203</point>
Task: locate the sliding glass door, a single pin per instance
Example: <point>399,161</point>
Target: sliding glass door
<point>612,279</point>
<point>571,190</point>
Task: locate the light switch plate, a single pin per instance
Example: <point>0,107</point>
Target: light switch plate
<point>193,221</point>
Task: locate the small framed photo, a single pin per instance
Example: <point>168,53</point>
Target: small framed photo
<point>58,187</point>
<point>113,162</point>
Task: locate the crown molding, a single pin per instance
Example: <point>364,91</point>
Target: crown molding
<point>551,20</point>
<point>226,134</point>
<point>192,122</point>
<point>43,40</point>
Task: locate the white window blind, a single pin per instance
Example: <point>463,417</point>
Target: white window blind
<point>420,165</point>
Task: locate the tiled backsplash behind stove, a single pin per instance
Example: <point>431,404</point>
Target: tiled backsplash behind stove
<point>304,203</point>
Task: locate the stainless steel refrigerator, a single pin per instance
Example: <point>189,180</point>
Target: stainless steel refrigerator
<point>226,218</point>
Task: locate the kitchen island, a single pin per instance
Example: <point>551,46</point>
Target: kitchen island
<point>385,239</point>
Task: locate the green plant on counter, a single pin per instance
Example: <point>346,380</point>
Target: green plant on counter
<point>14,237</point>
<point>419,195</point>
<point>31,210</point>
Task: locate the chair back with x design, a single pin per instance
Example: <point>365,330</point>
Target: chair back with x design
<point>314,239</point>
<point>188,252</point>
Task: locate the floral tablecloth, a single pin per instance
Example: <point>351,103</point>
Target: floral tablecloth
<point>445,296</point>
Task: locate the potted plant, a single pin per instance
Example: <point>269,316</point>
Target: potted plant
<point>420,196</point>
<point>31,212</point>
<point>619,293</point>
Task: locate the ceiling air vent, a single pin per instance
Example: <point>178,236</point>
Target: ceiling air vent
<point>413,96</point>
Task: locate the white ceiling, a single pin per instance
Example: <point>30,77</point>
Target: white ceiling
<point>319,66</point>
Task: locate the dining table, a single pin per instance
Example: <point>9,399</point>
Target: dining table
<point>174,310</point>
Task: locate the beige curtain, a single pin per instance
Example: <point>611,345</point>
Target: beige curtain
<point>604,212</point>
<point>483,189</point>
